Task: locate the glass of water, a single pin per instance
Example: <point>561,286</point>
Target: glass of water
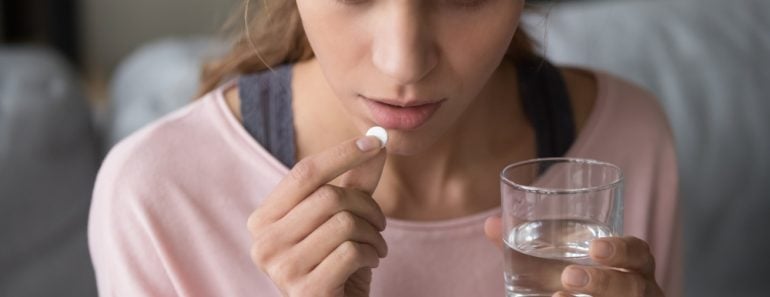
<point>552,209</point>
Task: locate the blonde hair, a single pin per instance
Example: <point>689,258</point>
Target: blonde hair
<point>275,36</point>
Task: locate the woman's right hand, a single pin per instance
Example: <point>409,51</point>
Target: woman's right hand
<point>316,239</point>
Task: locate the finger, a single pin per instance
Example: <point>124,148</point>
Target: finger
<point>493,230</point>
<point>359,282</point>
<point>624,252</point>
<point>324,203</point>
<point>601,282</point>
<point>346,259</point>
<point>561,294</point>
<point>366,176</point>
<point>343,227</point>
<point>312,172</point>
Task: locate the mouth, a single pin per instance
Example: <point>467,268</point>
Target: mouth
<point>387,114</point>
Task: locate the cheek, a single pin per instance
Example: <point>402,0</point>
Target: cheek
<point>475,48</point>
<point>472,51</point>
<point>338,40</point>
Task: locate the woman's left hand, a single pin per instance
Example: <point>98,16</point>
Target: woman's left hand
<point>626,267</point>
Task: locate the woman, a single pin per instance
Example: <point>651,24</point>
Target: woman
<point>461,93</point>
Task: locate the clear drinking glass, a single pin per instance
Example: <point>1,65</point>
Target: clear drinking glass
<point>552,209</point>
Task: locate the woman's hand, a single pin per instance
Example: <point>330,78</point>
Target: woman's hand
<point>316,239</point>
<point>627,267</point>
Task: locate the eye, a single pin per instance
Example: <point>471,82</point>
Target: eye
<point>351,2</point>
<point>468,4</point>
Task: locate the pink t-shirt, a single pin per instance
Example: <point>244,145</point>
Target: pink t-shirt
<point>171,203</point>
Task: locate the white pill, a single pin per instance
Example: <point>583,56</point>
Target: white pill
<point>380,133</point>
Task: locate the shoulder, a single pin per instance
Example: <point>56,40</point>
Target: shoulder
<point>628,93</point>
<point>125,204</point>
<point>168,147</point>
<point>631,105</point>
<point>598,96</point>
<point>627,126</point>
<point>182,155</point>
<point>138,158</point>
<point>165,134</point>
<point>161,188</point>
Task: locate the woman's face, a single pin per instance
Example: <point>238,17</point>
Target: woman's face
<point>411,66</point>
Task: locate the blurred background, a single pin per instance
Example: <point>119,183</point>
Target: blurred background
<point>76,76</point>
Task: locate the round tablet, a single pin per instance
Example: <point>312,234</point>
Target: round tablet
<point>380,133</point>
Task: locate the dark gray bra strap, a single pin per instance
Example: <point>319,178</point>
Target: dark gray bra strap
<point>548,107</point>
<point>267,113</point>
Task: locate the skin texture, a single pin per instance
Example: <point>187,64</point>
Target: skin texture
<point>406,50</point>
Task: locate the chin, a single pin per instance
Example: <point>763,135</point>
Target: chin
<point>407,144</point>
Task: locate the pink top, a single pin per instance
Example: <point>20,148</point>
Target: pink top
<point>171,202</point>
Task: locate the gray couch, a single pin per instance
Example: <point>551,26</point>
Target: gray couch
<point>48,160</point>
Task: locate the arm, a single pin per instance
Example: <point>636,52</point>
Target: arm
<point>121,241</point>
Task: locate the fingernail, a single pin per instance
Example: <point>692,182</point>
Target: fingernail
<point>602,249</point>
<point>368,143</point>
<point>575,277</point>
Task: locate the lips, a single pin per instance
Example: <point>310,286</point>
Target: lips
<point>391,116</point>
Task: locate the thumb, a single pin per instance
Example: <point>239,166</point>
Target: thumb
<point>366,176</point>
<point>493,230</point>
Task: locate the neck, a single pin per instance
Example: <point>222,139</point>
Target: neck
<point>459,174</point>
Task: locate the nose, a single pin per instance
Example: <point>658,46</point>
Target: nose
<point>403,48</point>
